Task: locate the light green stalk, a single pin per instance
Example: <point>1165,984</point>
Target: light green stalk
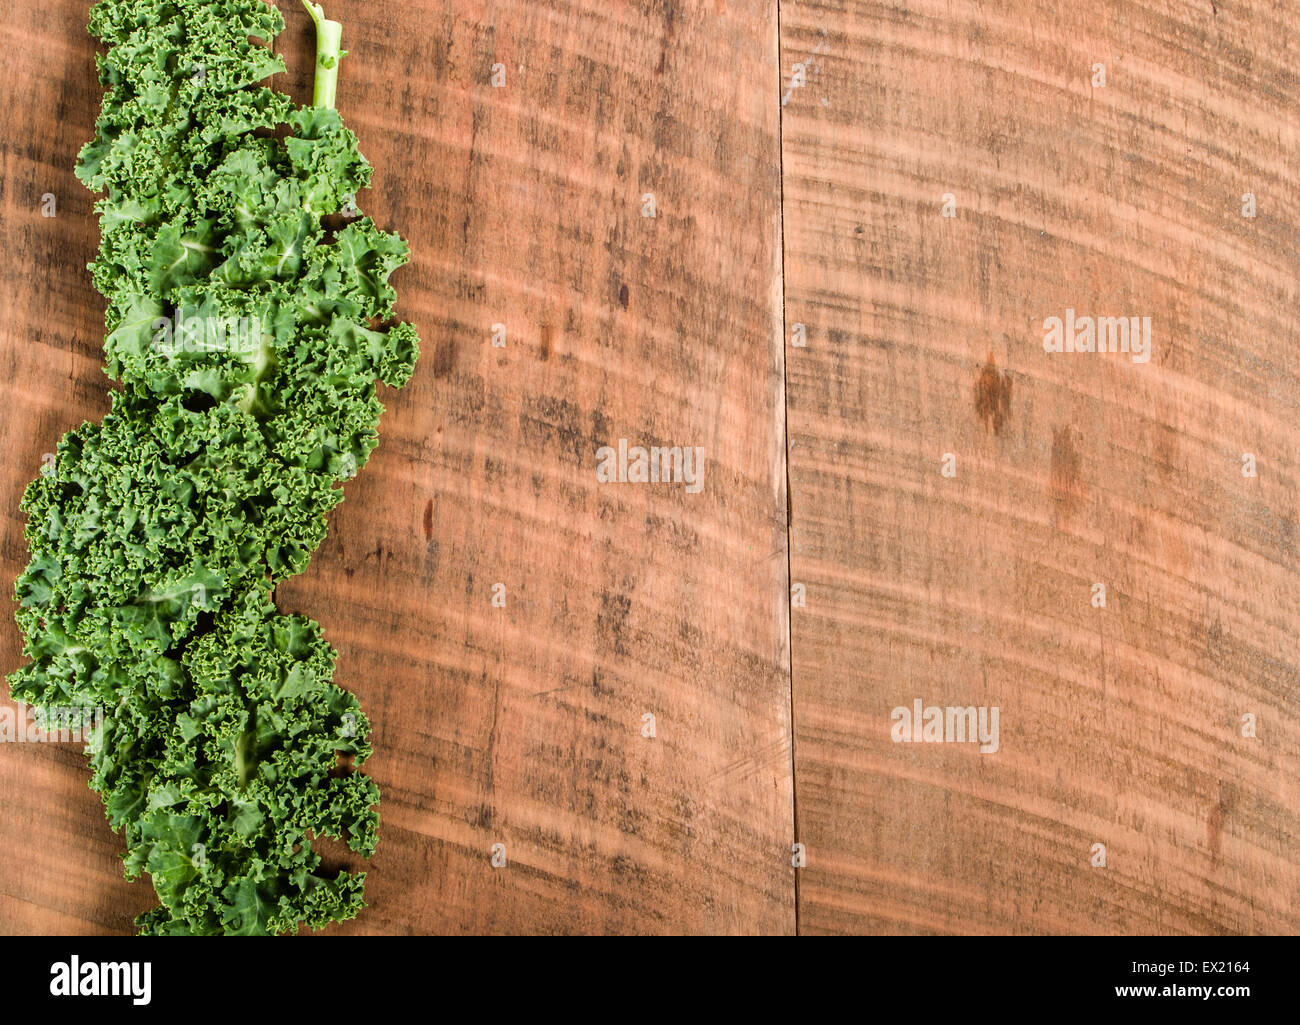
<point>329,34</point>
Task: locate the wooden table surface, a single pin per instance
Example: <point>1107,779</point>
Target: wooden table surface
<point>863,214</point>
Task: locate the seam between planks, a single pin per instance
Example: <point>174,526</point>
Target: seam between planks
<point>785,452</point>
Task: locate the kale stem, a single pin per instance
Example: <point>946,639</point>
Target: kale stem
<point>329,34</point>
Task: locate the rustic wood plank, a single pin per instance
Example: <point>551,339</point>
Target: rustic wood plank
<point>522,725</point>
<point>1119,725</point>
<point>519,725</point>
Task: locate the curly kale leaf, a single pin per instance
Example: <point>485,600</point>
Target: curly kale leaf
<point>248,337</point>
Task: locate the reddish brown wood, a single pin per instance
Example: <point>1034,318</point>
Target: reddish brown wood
<point>1119,725</point>
<point>521,725</point>
<point>518,725</point>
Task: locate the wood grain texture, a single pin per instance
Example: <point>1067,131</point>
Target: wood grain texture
<point>519,725</point>
<point>1119,725</point>
<point>523,204</point>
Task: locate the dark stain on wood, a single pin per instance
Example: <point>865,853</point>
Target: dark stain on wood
<point>1214,829</point>
<point>1225,806</point>
<point>444,357</point>
<point>993,396</point>
<point>611,625</point>
<point>428,520</point>
<point>667,41</point>
<point>1066,485</point>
